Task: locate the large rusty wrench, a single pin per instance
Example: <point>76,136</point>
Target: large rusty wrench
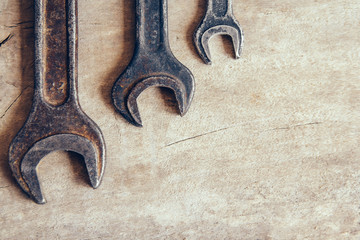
<point>56,121</point>
<point>153,64</point>
<point>219,19</point>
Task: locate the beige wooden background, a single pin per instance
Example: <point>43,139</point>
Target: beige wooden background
<point>268,150</point>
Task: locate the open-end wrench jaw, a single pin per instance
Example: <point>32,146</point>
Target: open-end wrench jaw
<point>215,23</point>
<point>43,134</point>
<point>153,64</point>
<point>140,75</point>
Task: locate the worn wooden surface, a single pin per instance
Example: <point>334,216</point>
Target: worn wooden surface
<point>268,150</point>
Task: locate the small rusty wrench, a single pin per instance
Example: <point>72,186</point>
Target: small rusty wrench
<point>153,64</point>
<point>56,121</point>
<point>219,19</point>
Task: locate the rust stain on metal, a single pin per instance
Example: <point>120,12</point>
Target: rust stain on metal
<point>55,51</point>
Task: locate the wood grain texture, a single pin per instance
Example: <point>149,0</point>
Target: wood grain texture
<point>268,150</point>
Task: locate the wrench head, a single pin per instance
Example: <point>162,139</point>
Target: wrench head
<point>67,142</point>
<point>43,134</point>
<point>144,72</point>
<point>158,81</point>
<point>207,30</point>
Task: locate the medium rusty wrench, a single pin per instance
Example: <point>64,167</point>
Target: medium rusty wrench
<point>219,19</point>
<point>56,121</point>
<point>153,64</point>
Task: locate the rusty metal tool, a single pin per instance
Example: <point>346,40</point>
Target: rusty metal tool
<point>219,19</point>
<point>153,64</point>
<point>56,121</point>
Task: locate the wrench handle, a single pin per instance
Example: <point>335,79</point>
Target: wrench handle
<point>55,51</point>
<point>220,8</point>
<point>151,25</point>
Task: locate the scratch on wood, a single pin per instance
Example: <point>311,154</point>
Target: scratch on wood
<point>6,39</point>
<point>295,126</point>
<point>223,129</point>
<point>197,136</point>
<point>21,23</point>
<point>3,115</point>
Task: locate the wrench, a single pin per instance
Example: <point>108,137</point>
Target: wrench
<point>153,64</point>
<point>56,121</point>
<point>219,19</point>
